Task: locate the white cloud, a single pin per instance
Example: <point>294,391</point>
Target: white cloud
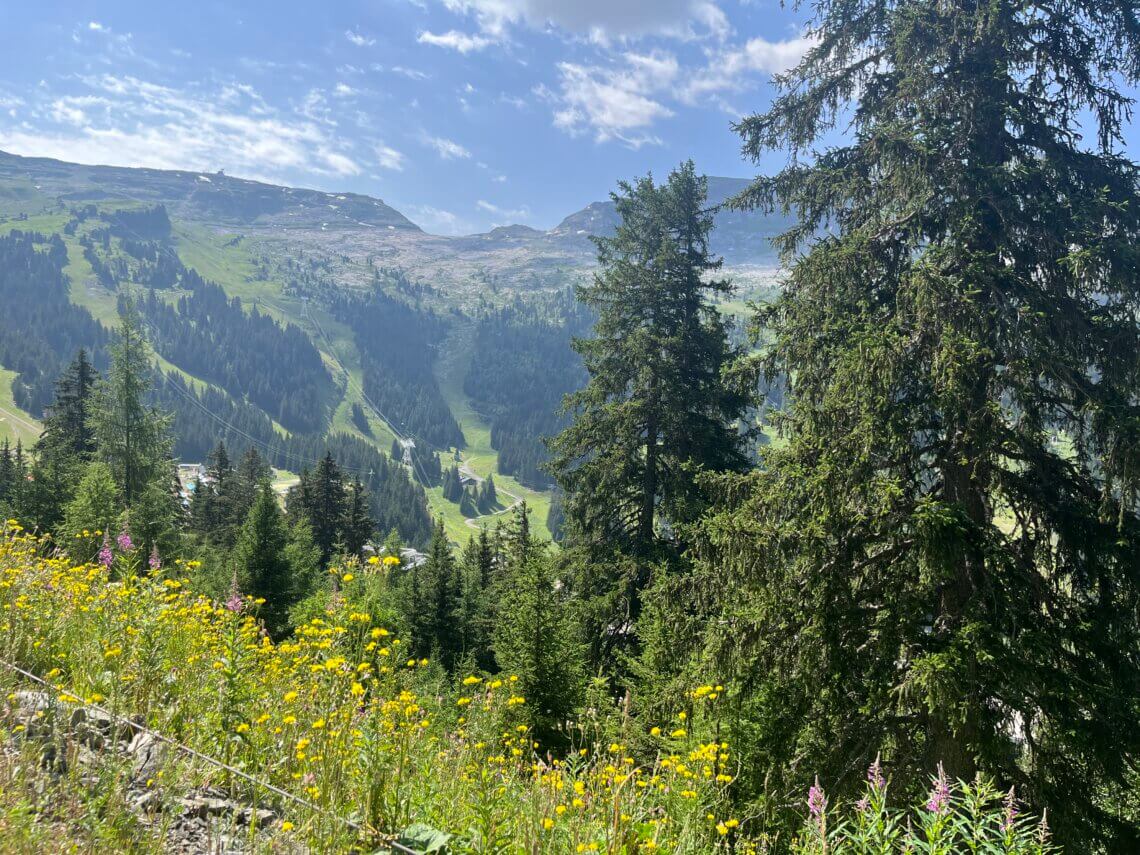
<point>125,121</point>
<point>10,103</point>
<point>410,73</point>
<point>343,90</point>
<point>340,164</point>
<point>462,42</point>
<point>359,39</point>
<point>616,102</point>
<point>389,158</point>
<point>622,99</point>
<point>438,220</point>
<point>96,27</point>
<point>601,20</point>
<point>504,215</point>
<point>729,69</point>
<point>447,149</point>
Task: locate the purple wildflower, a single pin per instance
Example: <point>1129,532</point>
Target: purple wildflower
<point>235,603</point>
<point>939,796</point>
<point>817,801</point>
<point>1010,810</point>
<point>863,805</point>
<point>875,775</point>
<point>154,562</point>
<point>124,541</point>
<point>106,557</point>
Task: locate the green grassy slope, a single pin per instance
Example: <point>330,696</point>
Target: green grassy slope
<point>479,458</point>
<point>238,264</point>
<point>15,424</point>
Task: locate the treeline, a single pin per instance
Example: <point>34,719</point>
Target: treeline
<point>495,605</point>
<point>40,328</point>
<point>102,479</point>
<point>203,418</point>
<point>521,367</point>
<point>473,497</point>
<point>248,354</point>
<point>398,346</point>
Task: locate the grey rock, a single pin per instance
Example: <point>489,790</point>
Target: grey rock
<point>149,756</point>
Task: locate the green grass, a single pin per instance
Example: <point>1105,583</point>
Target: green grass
<point>479,457</point>
<point>231,261</point>
<point>15,424</point>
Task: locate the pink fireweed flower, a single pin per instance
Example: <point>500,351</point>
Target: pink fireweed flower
<point>106,557</point>
<point>939,799</point>
<point>235,603</point>
<point>124,541</point>
<point>817,801</point>
<point>875,775</point>
<point>1010,810</point>
<point>154,562</point>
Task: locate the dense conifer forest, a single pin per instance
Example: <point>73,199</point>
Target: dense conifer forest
<point>246,353</point>
<point>40,328</point>
<point>521,368</point>
<point>846,564</point>
<point>398,345</point>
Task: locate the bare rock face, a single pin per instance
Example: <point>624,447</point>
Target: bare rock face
<point>203,820</point>
<point>149,756</point>
<point>98,729</point>
<point>33,714</point>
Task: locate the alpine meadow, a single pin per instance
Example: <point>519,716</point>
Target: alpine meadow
<point>788,514</point>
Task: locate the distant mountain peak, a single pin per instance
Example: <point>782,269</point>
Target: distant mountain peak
<point>202,195</point>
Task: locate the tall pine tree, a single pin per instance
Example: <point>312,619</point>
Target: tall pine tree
<point>131,436</point>
<point>655,405</point>
<point>66,444</point>
<point>261,561</point>
<point>943,565</point>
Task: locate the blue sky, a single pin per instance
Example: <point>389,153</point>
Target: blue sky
<point>463,114</point>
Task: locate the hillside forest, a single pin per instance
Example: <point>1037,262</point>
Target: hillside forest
<point>628,560</point>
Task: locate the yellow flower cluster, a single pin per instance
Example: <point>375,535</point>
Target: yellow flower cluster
<point>331,716</point>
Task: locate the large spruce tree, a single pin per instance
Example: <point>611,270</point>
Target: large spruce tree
<point>66,444</point>
<point>943,564</point>
<point>655,404</point>
<point>654,411</point>
<point>131,435</point>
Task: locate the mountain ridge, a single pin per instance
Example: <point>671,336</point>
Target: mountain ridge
<point>226,201</point>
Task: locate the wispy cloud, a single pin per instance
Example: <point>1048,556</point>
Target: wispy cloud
<point>389,158</point>
<point>358,39</point>
<point>439,220</point>
<point>127,121</point>
<point>504,215</point>
<point>455,40</point>
<point>602,21</point>
<point>410,73</point>
<point>447,149</point>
